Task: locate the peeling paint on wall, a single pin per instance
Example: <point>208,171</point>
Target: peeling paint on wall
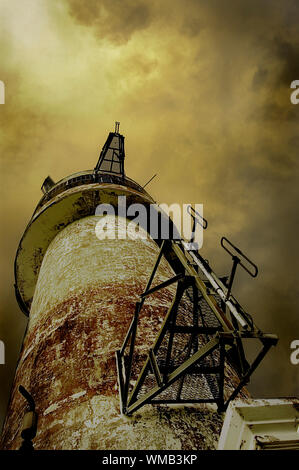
<point>83,304</point>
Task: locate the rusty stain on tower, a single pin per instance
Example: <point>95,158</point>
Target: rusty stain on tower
<point>89,299</point>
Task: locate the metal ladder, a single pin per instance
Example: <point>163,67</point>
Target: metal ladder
<point>188,360</point>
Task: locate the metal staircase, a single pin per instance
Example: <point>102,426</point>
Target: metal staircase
<point>201,336</point>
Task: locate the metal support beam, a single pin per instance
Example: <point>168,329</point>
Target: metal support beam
<point>175,375</point>
<point>227,326</point>
<point>162,285</point>
<point>222,372</point>
<point>130,358</point>
<point>171,311</point>
<point>120,380</point>
<point>246,377</point>
<point>155,367</point>
<point>219,289</point>
<point>197,342</point>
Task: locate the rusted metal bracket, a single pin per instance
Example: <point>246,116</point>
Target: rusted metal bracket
<point>187,361</point>
<point>29,427</point>
<point>198,219</point>
<point>155,367</point>
<point>237,260</point>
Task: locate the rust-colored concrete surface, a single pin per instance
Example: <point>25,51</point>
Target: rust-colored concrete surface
<point>83,304</point>
<point>56,213</point>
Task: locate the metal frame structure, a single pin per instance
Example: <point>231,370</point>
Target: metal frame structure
<point>208,348</point>
<point>117,153</point>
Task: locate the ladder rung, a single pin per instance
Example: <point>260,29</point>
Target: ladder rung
<point>195,329</point>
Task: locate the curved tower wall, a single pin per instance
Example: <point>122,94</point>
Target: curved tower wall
<point>80,294</point>
<point>83,304</point>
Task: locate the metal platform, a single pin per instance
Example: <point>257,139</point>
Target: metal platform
<point>203,330</point>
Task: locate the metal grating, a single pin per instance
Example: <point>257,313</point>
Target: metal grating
<point>187,360</point>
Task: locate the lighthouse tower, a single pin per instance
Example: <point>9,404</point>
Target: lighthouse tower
<point>80,292</point>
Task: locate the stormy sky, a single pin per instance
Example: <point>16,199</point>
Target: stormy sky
<point>202,92</point>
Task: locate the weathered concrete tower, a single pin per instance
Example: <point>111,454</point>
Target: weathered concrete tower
<point>80,294</point>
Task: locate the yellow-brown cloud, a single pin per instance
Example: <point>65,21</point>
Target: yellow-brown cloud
<point>202,93</point>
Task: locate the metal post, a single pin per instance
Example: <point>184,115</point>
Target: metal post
<point>236,261</point>
<point>158,341</point>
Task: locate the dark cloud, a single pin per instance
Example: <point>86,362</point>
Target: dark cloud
<point>202,90</point>
<point>25,133</point>
<point>287,53</point>
<point>282,54</point>
<point>260,77</point>
<point>115,20</point>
